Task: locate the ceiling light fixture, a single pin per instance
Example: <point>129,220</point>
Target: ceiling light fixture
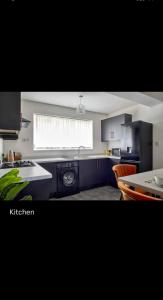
<point>80,108</point>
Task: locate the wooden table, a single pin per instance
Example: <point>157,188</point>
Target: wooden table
<point>145,181</point>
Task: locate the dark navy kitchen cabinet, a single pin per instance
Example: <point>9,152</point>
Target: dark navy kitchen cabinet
<point>112,180</point>
<point>10,110</point>
<point>39,190</point>
<point>52,168</point>
<point>111,128</point>
<point>88,174</point>
<point>103,171</point>
<point>93,172</point>
<point>142,144</point>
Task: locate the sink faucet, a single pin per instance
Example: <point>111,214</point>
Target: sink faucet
<point>80,147</point>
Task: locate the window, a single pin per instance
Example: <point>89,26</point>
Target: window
<point>59,133</point>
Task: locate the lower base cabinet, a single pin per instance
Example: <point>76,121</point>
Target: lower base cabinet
<point>103,171</point>
<point>112,180</point>
<point>92,173</point>
<point>88,175</point>
<point>96,172</point>
<point>51,167</point>
<point>39,190</point>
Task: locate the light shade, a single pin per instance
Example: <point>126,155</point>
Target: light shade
<point>80,108</point>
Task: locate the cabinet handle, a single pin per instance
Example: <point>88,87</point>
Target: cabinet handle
<point>97,164</point>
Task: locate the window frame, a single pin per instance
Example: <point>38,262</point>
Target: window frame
<point>63,148</point>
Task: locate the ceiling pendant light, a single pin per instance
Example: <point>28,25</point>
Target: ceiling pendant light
<point>81,108</point>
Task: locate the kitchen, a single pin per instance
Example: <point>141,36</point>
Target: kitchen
<point>66,144</point>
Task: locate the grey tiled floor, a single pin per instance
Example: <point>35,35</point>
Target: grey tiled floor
<point>101,193</point>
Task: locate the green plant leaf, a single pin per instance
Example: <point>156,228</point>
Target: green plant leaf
<point>14,191</point>
<point>2,180</point>
<point>7,181</point>
<point>13,172</point>
<point>10,186</point>
<point>5,190</point>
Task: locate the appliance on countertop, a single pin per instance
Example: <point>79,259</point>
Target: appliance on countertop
<point>17,164</point>
<point>116,152</point>
<point>67,178</point>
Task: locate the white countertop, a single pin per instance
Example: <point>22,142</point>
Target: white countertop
<point>141,180</point>
<point>39,160</point>
<point>38,173</point>
<point>60,159</point>
<point>30,173</point>
<point>114,157</point>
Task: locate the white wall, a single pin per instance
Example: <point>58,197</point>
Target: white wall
<point>25,142</point>
<point>1,148</point>
<point>148,114</point>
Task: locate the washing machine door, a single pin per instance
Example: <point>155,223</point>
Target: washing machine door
<point>69,178</point>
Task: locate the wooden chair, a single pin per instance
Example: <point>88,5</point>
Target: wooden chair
<point>129,194</point>
<point>125,170</point>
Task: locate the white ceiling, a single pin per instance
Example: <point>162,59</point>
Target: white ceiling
<point>147,99</point>
<point>101,102</point>
<point>156,95</point>
<point>93,101</point>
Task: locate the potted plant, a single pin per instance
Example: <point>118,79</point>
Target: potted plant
<point>11,186</point>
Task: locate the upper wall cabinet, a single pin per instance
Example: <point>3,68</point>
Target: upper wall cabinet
<point>111,129</point>
<point>10,110</point>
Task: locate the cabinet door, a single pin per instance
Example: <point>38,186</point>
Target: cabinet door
<point>111,177</point>
<point>39,190</point>
<point>117,127</point>
<point>51,167</point>
<point>103,171</point>
<point>88,173</point>
<point>146,142</point>
<point>111,128</point>
<point>105,125</point>
<point>10,110</point>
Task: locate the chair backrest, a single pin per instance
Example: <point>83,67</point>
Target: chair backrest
<point>129,194</point>
<point>123,170</point>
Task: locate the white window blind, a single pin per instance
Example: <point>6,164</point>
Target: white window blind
<point>53,133</point>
